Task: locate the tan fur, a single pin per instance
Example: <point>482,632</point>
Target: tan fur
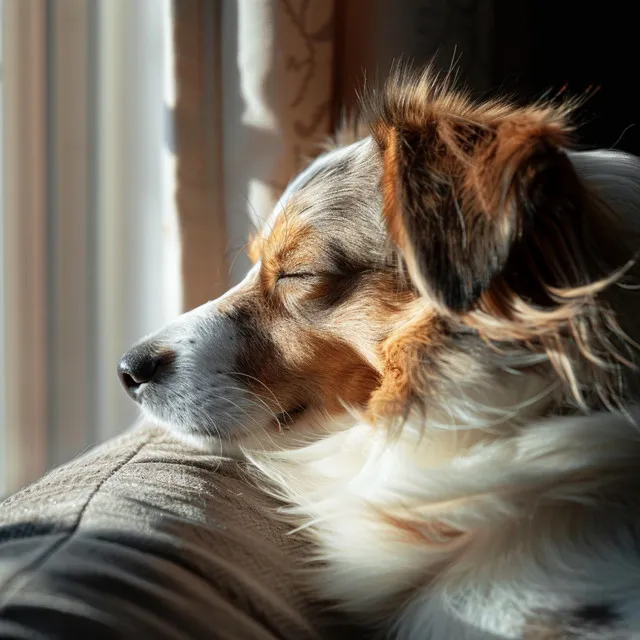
<point>253,248</point>
<point>401,356</point>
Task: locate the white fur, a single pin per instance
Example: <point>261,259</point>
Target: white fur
<point>506,489</point>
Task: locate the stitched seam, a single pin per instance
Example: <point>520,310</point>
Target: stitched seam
<point>23,576</point>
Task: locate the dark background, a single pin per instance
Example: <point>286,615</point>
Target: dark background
<point>522,48</point>
<point>543,45</point>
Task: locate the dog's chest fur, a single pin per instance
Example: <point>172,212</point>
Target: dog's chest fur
<point>467,535</point>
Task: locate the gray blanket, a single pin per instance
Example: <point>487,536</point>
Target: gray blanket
<point>145,538</point>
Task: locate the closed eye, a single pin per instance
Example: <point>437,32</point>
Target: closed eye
<point>300,275</point>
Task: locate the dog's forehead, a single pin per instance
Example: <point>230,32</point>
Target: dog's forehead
<point>337,165</point>
<point>336,198</point>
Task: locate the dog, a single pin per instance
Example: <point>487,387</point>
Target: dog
<point>432,363</point>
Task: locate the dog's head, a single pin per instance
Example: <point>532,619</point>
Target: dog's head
<point>450,247</point>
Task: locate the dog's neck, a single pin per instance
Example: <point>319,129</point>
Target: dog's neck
<point>358,456</point>
<point>387,511</point>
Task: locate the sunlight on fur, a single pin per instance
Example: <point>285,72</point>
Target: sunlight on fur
<point>432,364</point>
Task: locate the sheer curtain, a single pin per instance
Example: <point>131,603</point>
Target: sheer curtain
<point>90,251</point>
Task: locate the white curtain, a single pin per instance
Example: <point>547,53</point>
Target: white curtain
<point>276,102</point>
<point>90,258</point>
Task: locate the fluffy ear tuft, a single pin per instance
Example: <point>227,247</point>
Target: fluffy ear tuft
<point>463,184</point>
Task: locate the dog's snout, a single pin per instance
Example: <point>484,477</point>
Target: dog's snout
<point>140,365</point>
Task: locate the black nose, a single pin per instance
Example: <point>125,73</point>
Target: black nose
<point>141,364</point>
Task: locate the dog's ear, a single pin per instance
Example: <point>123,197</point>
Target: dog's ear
<point>463,185</point>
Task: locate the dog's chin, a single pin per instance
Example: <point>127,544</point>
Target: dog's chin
<point>260,432</point>
<point>201,441</point>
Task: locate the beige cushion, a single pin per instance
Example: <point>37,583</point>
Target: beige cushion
<point>145,538</point>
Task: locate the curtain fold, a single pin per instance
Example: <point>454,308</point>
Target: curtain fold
<point>197,137</point>
<point>87,219</point>
<point>276,99</point>
<point>255,89</point>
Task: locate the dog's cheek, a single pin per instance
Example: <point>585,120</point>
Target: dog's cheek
<point>326,373</point>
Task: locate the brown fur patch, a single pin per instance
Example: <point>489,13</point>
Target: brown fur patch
<point>289,367</point>
<point>434,533</point>
<point>403,354</point>
<point>390,198</point>
<point>288,249</point>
